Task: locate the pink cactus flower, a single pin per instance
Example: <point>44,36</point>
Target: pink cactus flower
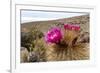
<point>54,35</point>
<point>72,27</point>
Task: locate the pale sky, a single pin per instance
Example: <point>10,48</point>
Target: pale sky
<point>29,16</point>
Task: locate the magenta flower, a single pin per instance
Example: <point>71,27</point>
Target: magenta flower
<point>54,35</point>
<point>72,27</point>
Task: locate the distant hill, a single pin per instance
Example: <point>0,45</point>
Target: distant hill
<point>43,26</point>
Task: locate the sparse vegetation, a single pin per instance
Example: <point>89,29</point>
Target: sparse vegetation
<point>27,39</point>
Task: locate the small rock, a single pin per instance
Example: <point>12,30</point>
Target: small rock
<point>33,57</point>
<point>24,54</point>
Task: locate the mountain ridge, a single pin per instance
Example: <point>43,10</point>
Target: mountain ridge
<point>45,25</point>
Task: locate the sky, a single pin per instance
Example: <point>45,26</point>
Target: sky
<point>31,16</point>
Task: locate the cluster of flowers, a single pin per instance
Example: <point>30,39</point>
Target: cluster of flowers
<point>55,34</point>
